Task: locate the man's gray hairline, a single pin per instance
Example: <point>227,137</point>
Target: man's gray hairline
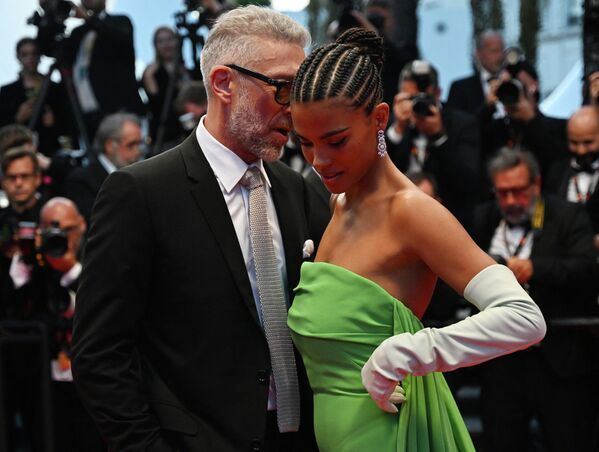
<point>507,158</point>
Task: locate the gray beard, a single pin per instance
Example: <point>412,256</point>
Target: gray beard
<point>249,131</point>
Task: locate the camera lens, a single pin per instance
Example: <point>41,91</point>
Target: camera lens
<point>508,92</point>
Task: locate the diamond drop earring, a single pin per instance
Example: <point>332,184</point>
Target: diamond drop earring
<point>382,144</point>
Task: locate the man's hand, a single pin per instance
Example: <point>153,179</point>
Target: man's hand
<point>431,126</point>
<point>25,111</point>
<point>402,110</point>
<point>491,98</point>
<point>594,88</point>
<point>522,269</point>
<point>523,111</point>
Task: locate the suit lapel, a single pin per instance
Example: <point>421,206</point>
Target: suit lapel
<point>209,199</point>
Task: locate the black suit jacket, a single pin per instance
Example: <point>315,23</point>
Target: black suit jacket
<point>467,94</point>
<point>455,163</point>
<point>83,184</point>
<point>564,280</point>
<point>557,181</point>
<point>14,94</point>
<point>112,64</point>
<point>167,344</point>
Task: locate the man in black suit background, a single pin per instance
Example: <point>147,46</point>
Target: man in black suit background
<point>425,136</point>
<point>469,94</point>
<point>169,352</point>
<point>101,57</point>
<point>547,243</point>
<point>116,145</point>
<point>575,178</point>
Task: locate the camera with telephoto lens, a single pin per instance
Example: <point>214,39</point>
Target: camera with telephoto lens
<point>421,74</point>
<point>509,91</point>
<point>55,13</point>
<point>55,242</point>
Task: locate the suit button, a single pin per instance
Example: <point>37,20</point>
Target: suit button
<point>261,376</point>
<point>256,445</point>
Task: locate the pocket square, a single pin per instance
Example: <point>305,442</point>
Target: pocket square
<point>308,249</point>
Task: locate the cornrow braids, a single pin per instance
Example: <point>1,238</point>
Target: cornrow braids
<point>349,67</point>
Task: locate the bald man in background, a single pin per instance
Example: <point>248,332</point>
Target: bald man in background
<point>575,178</point>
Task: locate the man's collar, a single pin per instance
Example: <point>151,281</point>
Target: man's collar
<point>228,167</point>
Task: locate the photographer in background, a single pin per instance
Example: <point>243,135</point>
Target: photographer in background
<point>516,90</point>
<point>548,244</point>
<point>17,99</point>
<point>21,374</point>
<point>117,144</point>
<point>443,142</point>
<point>46,284</point>
<point>60,238</point>
<point>377,17</point>
<point>101,57</point>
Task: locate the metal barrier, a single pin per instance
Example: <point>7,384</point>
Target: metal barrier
<point>18,333</point>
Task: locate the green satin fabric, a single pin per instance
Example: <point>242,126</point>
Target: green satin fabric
<point>337,320</point>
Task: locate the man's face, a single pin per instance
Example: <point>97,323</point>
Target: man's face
<point>515,193</point>
<point>410,88</point>
<point>127,149</point>
<point>20,182</point>
<point>29,57</point>
<point>490,54</point>
<point>258,127</point>
<point>583,135</point>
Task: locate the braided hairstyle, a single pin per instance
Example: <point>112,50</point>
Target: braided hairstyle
<point>350,67</point>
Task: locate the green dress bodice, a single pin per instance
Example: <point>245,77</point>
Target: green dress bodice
<point>337,320</point>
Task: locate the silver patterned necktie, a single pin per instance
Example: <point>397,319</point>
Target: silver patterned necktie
<point>272,305</point>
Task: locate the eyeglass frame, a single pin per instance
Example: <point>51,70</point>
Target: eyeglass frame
<point>516,192</point>
<point>279,84</point>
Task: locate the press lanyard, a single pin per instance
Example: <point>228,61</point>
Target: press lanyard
<point>536,223</point>
<point>520,244</point>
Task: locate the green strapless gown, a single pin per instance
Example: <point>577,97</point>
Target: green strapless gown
<point>337,320</point>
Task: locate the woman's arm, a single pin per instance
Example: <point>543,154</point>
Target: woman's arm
<point>509,319</point>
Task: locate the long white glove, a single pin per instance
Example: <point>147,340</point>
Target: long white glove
<point>509,321</point>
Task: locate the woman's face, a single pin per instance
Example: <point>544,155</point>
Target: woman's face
<point>166,45</point>
<point>337,140</point>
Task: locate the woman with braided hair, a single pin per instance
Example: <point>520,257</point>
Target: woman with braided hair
<point>355,319</point>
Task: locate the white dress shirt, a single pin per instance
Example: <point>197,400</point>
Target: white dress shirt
<point>229,168</point>
<point>586,184</point>
<point>505,241</point>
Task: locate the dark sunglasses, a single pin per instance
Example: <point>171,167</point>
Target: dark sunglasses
<point>283,92</point>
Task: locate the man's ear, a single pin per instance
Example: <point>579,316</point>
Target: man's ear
<point>221,80</point>
<point>110,147</point>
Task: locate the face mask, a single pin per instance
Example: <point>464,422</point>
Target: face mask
<point>588,162</point>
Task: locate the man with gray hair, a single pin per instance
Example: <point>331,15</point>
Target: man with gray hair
<point>547,243</point>
<point>180,337</point>
<point>118,143</point>
<point>470,94</point>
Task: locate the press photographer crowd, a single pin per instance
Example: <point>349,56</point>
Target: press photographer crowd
<point>523,184</point>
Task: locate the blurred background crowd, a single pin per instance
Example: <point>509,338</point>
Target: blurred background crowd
<point>522,181</point>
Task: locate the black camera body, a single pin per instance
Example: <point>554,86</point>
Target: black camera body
<point>55,242</point>
<point>421,74</point>
<point>23,234</point>
<point>52,21</point>
<point>509,92</point>
<point>422,103</point>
